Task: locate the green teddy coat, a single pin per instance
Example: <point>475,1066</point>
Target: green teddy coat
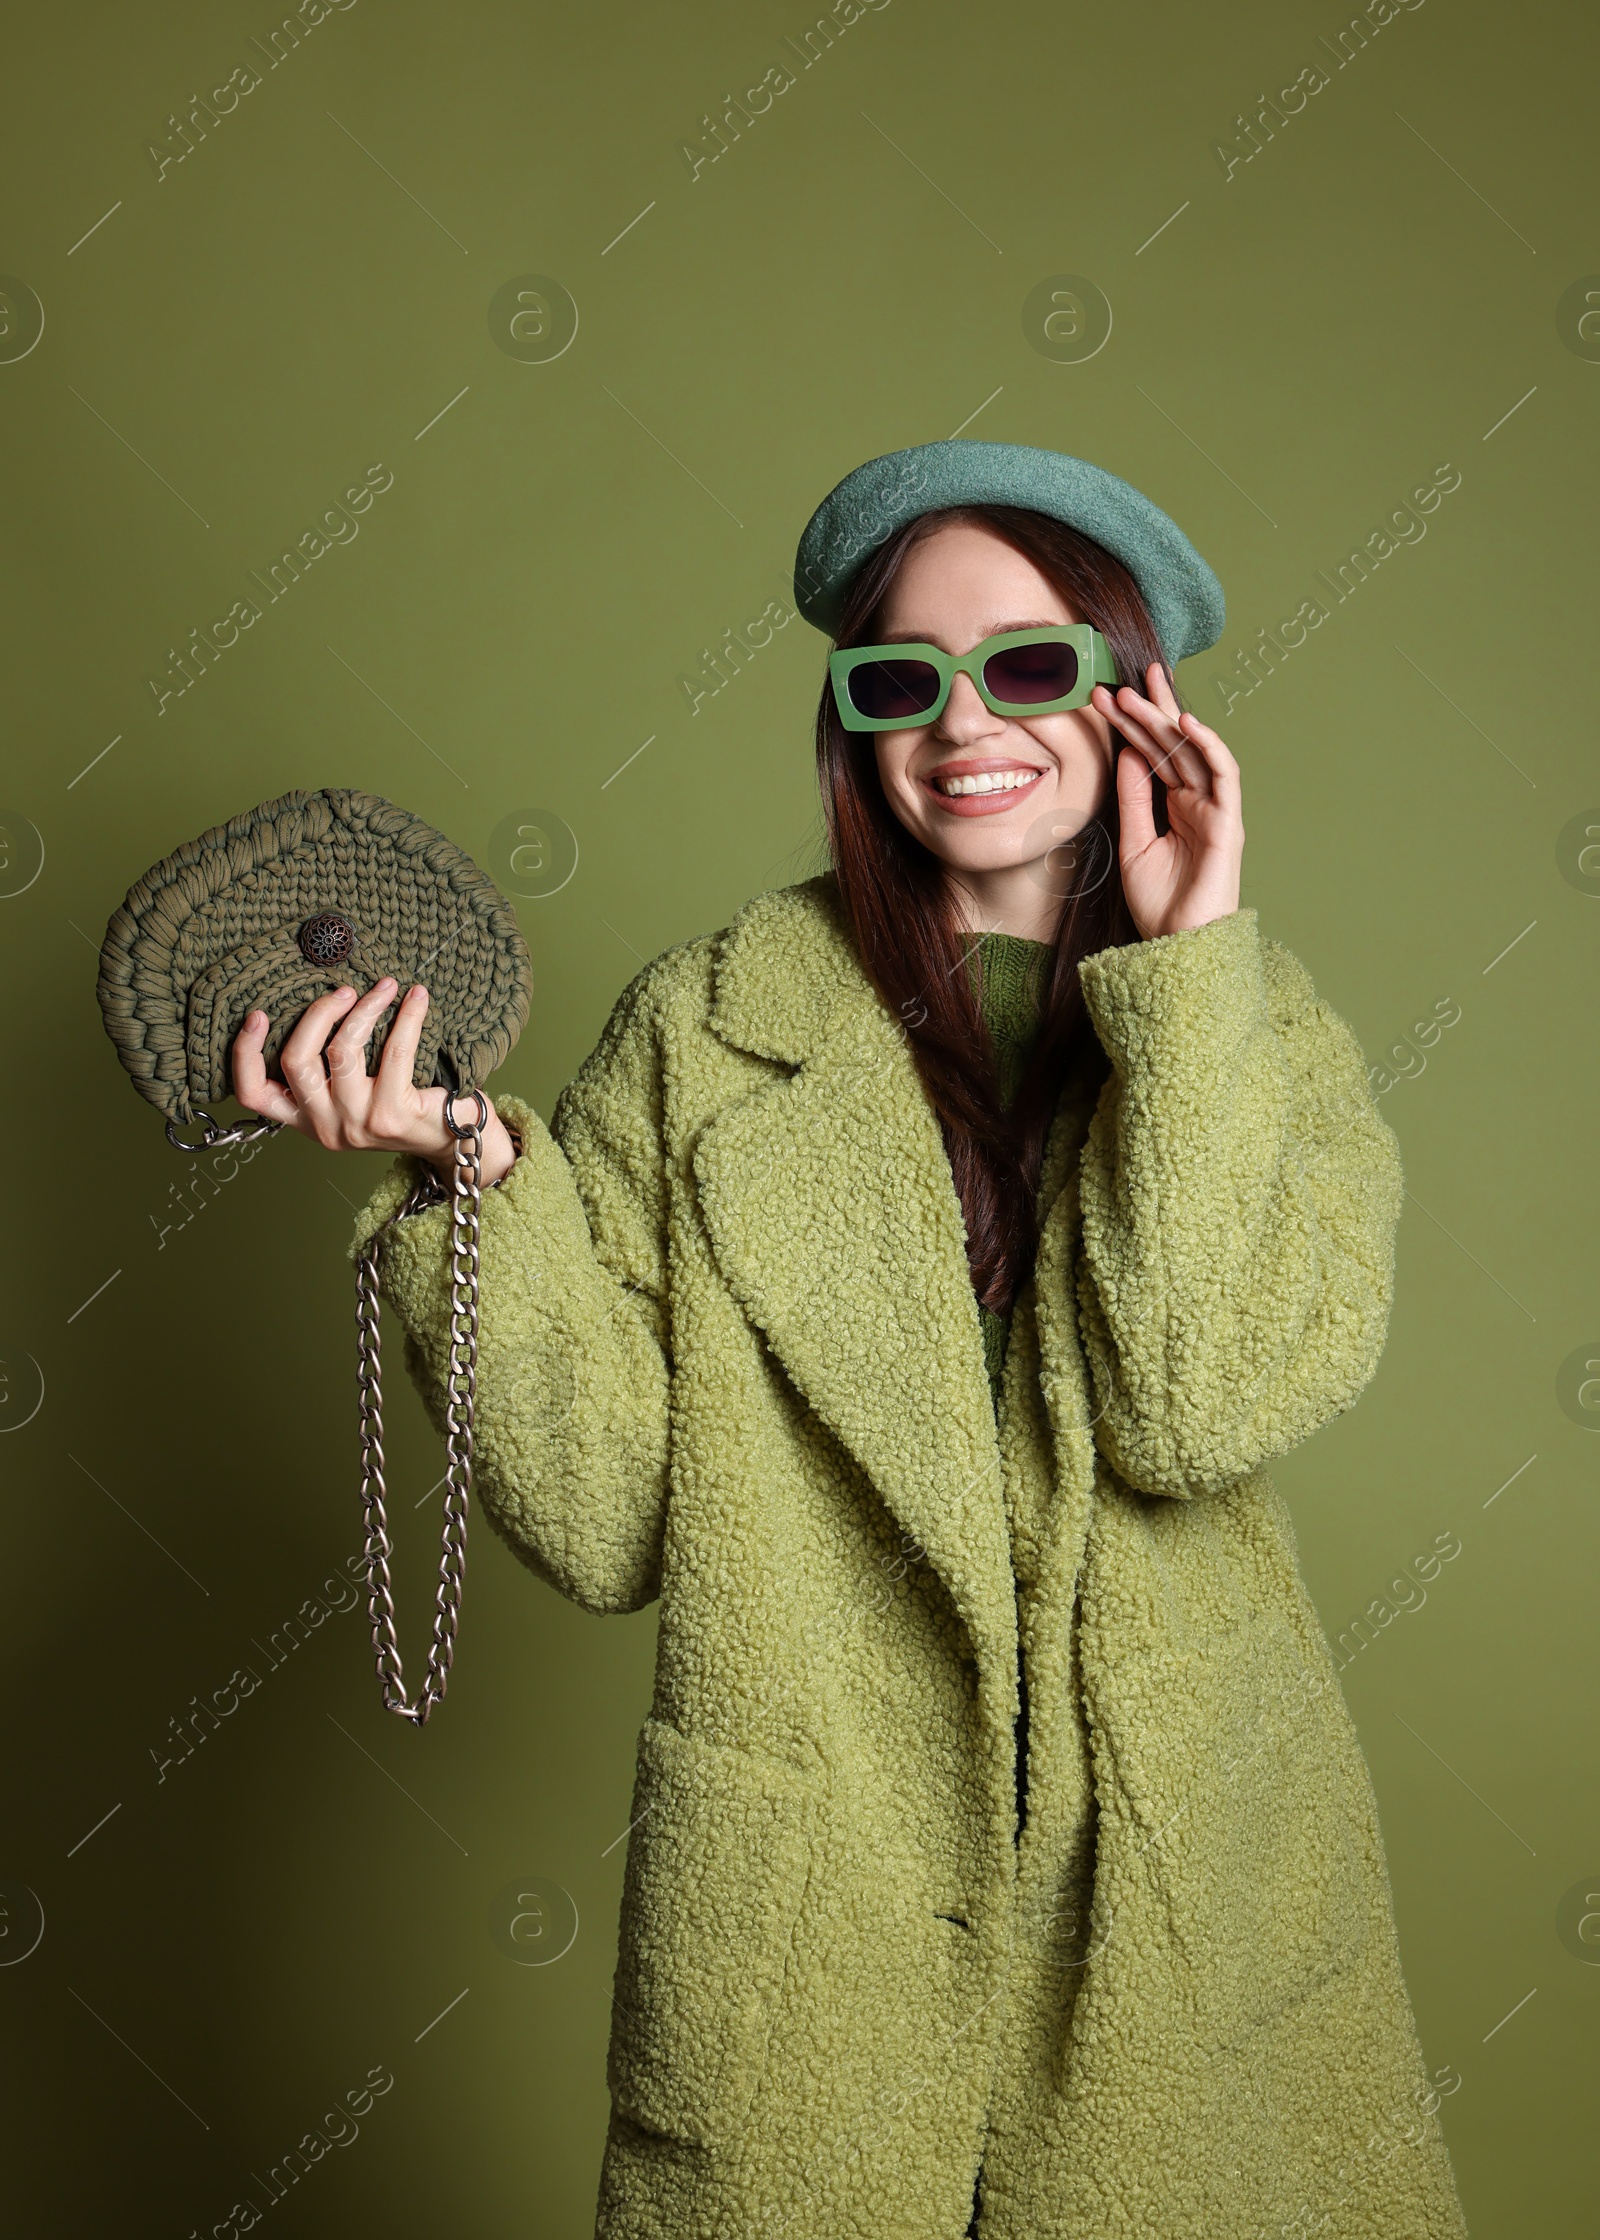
<point>731,1357</point>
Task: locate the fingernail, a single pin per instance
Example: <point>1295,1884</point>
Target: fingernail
<point>255,1020</point>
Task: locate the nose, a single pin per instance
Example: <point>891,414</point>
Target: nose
<point>965,718</point>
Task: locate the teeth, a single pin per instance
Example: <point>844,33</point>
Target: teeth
<point>988,781</point>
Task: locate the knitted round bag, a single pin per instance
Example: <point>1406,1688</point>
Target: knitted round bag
<point>308,893</point>
<point>302,895</point>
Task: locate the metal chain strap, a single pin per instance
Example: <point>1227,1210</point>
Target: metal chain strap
<point>218,1138</point>
<point>461,1386</point>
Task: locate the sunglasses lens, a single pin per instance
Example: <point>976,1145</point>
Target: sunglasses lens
<point>900,690</point>
<point>1025,675</point>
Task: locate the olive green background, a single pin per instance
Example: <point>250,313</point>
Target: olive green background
<point>1375,295</point>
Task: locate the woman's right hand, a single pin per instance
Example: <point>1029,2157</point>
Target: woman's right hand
<point>329,1095</point>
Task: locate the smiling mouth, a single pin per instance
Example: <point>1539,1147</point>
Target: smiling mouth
<point>967,786</point>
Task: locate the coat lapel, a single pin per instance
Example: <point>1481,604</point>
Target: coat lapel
<point>834,1218</point>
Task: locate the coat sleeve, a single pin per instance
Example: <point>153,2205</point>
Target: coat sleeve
<point>573,1362</point>
<point>1239,1193</point>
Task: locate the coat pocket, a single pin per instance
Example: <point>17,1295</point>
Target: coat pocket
<point>716,1870</point>
<point>1251,1805</point>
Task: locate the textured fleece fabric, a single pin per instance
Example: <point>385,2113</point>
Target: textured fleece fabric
<point>730,1357</point>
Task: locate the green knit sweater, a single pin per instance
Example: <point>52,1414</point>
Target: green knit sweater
<point>1010,994</point>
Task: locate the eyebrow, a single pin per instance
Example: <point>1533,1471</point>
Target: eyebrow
<point>919,637</point>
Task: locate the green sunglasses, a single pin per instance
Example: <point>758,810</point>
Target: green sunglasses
<point>1016,672</point>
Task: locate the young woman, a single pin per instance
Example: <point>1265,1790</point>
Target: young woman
<point>909,1291</point>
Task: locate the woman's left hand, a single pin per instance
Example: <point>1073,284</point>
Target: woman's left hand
<point>1189,874</point>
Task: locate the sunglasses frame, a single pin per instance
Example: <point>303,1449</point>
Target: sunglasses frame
<point>1096,665</point>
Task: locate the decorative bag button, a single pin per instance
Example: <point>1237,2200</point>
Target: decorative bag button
<point>327,938</point>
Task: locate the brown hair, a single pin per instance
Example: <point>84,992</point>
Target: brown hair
<point>902,917</point>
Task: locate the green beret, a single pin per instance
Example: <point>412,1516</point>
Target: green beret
<point>863,512</point>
